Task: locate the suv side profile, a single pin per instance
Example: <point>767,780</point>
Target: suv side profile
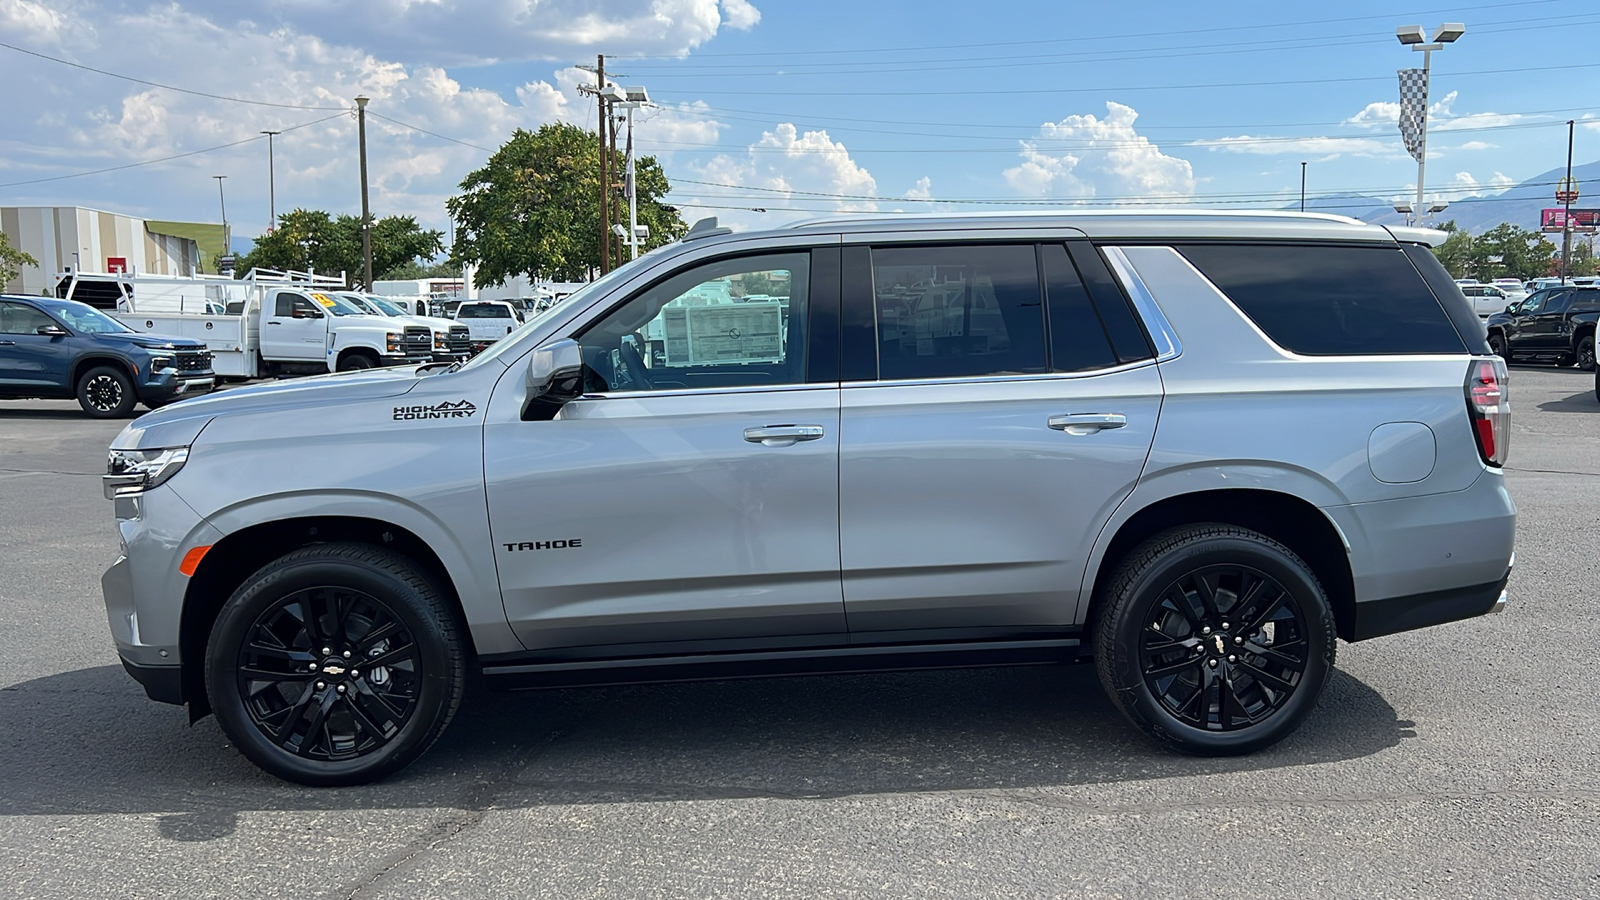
<point>1175,444</point>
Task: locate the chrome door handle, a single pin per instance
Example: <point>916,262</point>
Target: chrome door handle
<point>8,343</point>
<point>782,435</point>
<point>1087,423</point>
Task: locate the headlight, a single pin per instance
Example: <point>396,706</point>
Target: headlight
<point>131,472</point>
<point>160,362</point>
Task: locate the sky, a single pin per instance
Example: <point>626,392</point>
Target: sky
<point>766,111</point>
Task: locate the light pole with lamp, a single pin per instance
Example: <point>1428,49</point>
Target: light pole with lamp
<point>272,191</point>
<point>227,243</point>
<point>637,97</point>
<point>1413,37</point>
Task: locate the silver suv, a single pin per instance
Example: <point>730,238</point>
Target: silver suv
<point>1179,444</point>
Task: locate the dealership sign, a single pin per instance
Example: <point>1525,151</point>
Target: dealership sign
<point>1556,219</point>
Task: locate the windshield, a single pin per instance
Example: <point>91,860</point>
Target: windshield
<point>362,303</point>
<point>622,273</point>
<point>338,306</point>
<point>387,307</point>
<point>85,319</point>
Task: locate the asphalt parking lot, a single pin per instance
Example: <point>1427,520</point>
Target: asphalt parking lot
<point>1460,761</point>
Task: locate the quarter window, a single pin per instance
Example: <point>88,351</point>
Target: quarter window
<point>730,323</point>
<point>1078,340</point>
<point>959,311</point>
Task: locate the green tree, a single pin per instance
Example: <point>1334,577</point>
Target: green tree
<point>12,260</point>
<point>1583,261</point>
<point>1456,252</point>
<point>1508,249</point>
<point>533,209</point>
<point>413,270</point>
<point>313,240</point>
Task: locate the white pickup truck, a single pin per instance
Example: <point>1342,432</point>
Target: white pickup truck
<point>452,341</point>
<point>487,320</point>
<point>268,328</point>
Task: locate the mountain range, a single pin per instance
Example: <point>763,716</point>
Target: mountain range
<point>1519,204</point>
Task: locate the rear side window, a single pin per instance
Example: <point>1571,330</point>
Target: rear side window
<point>1078,339</point>
<point>958,311</point>
<point>1330,300</point>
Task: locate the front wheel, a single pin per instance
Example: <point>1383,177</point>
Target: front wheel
<point>1215,640</point>
<point>1497,346</point>
<point>336,664</point>
<point>355,362</point>
<point>106,393</point>
<point>1586,354</point>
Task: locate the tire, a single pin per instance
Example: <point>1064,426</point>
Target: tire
<point>106,393</point>
<point>1497,346</point>
<point>1586,354</point>
<point>354,362</point>
<point>1175,679</point>
<point>314,718</point>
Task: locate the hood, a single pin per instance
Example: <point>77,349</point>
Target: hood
<point>179,424</point>
<point>150,341</point>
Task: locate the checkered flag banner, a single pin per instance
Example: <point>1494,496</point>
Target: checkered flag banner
<point>1413,109</point>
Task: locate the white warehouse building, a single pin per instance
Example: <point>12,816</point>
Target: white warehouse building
<point>64,238</point>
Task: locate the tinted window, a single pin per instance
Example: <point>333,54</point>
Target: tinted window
<point>1127,335</point>
<point>730,323</point>
<point>483,311</point>
<point>1077,338</point>
<point>19,318</point>
<point>964,311</point>
<point>292,305</point>
<point>1330,300</point>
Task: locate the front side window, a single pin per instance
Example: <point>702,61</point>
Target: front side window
<point>958,311</point>
<point>19,318</point>
<point>729,323</point>
<point>296,306</point>
<point>85,319</point>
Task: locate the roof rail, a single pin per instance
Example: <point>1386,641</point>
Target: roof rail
<point>705,228</point>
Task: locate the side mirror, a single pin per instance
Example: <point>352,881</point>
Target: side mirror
<point>51,331</point>
<point>555,377</point>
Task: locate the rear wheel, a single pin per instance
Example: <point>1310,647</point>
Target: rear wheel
<point>336,664</point>
<point>1586,354</point>
<point>1215,640</point>
<point>106,393</point>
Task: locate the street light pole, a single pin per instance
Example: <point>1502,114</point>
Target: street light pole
<point>366,211</point>
<point>1302,186</point>
<point>1412,36</point>
<point>227,242</point>
<point>1567,194</point>
<point>272,194</point>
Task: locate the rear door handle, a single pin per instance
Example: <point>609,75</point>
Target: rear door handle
<point>1087,423</point>
<point>8,343</point>
<point>782,435</point>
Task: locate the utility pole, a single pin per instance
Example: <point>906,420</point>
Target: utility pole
<point>611,193</point>
<point>1567,194</point>
<point>366,212</point>
<point>227,241</point>
<point>1302,186</point>
<point>605,166</point>
<point>272,195</point>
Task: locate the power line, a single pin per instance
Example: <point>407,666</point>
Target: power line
<point>168,87</point>
<point>151,162</point>
<point>427,132</point>
<point>1451,10</point>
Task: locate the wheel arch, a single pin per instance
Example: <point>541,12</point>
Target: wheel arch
<point>233,559</point>
<point>83,364</point>
<point>1286,518</point>
<point>348,352</point>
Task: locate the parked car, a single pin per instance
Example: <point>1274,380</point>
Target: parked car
<point>487,320</point>
<point>1176,445</point>
<point>452,341</point>
<point>65,349</point>
<point>1486,299</point>
<point>1515,292</point>
<point>1555,325</point>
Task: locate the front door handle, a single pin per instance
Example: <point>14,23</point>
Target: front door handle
<point>273,322</point>
<point>782,435</point>
<point>1087,423</point>
<point>8,343</point>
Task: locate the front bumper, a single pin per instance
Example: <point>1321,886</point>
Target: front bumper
<point>169,384</point>
<point>406,359</point>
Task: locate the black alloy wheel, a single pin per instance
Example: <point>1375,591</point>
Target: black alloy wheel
<point>1586,354</point>
<point>1497,346</point>
<point>336,664</point>
<point>105,392</point>
<point>1215,640</point>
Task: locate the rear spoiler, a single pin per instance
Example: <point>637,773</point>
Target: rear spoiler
<point>1408,234</point>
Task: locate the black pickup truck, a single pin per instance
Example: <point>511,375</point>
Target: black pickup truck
<point>62,349</point>
<point>1555,324</point>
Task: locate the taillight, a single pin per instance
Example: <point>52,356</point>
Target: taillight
<point>1489,405</point>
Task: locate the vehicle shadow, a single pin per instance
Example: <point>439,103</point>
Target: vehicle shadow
<point>1581,402</point>
<point>88,741</point>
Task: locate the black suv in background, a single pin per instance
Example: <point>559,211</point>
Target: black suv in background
<point>60,349</point>
<point>1555,324</point>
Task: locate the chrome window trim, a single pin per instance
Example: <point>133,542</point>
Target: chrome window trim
<point>1001,379</point>
<point>700,392</point>
<point>1168,345</point>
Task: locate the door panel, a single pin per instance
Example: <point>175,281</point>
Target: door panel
<point>27,358</point>
<point>678,526</point>
<point>962,507</point>
<point>284,337</point>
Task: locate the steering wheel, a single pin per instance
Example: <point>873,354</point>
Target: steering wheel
<point>634,363</point>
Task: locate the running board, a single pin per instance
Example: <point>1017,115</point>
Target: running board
<point>780,663</point>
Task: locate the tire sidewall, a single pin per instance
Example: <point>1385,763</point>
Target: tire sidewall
<point>1585,349</point>
<point>1141,704</point>
<point>124,383</point>
<point>356,362</point>
<point>272,584</point>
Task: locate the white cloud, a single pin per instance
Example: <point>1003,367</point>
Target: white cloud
<point>1463,185</point>
<point>62,120</point>
<point>1322,148</point>
<point>1102,157</point>
<point>1477,145</point>
<point>740,14</point>
<point>922,190</point>
<point>787,170</point>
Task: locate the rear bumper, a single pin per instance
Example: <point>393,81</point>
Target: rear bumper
<point>163,684</point>
<point>1376,618</point>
